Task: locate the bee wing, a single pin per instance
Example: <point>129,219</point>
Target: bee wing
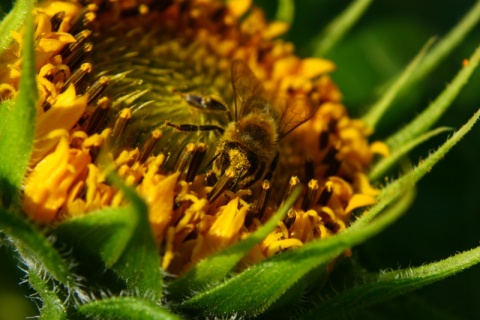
<point>292,112</point>
<point>247,89</point>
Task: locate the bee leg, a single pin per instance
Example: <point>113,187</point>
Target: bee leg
<point>265,189</point>
<point>222,184</point>
<point>193,127</point>
<point>261,169</point>
<point>272,168</point>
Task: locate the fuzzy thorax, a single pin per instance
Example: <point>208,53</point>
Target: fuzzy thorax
<point>246,149</point>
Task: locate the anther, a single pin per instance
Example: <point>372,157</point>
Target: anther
<point>330,156</point>
<point>326,194</point>
<point>74,46</point>
<point>46,105</point>
<point>332,125</point>
<point>185,158</point>
<point>57,20</point>
<point>97,119</point>
<point>290,218</point>
<point>309,169</point>
<point>96,89</point>
<point>263,198</point>
<point>122,120</point>
<point>196,161</point>
<point>211,178</point>
<point>323,141</point>
<point>77,56</point>
<point>272,168</point>
<point>292,184</point>
<point>149,145</point>
<point>78,75</point>
<point>333,168</point>
<point>310,195</point>
<point>83,19</point>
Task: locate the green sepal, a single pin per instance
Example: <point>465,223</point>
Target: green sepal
<point>52,307</point>
<point>325,40</point>
<point>275,276</point>
<point>14,20</point>
<point>287,306</point>
<point>33,245</point>
<point>383,286</point>
<point>437,108</point>
<point>383,165</point>
<point>122,238</point>
<point>216,267</point>
<point>125,308</point>
<point>17,122</point>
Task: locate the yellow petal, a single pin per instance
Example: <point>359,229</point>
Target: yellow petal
<point>160,198</point>
<point>64,113</point>
<point>276,29</point>
<point>238,7</point>
<point>359,200</point>
<point>362,184</point>
<point>380,148</point>
<point>46,188</point>
<point>313,67</point>
<point>282,245</point>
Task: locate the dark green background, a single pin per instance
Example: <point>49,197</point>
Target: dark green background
<point>445,217</point>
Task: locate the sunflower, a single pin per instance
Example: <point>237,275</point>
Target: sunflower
<point>192,163</point>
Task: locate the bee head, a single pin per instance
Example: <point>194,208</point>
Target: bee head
<point>235,166</point>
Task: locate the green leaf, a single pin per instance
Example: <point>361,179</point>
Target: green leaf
<point>393,190</point>
<point>20,14</point>
<point>125,308</point>
<point>285,11</point>
<point>383,165</point>
<point>17,119</point>
<point>217,266</point>
<point>122,238</point>
<point>105,232</point>
<point>333,33</point>
<point>31,243</point>
<point>429,116</point>
<point>52,308</point>
<point>386,285</point>
<point>454,37</point>
<point>376,111</point>
<point>277,275</point>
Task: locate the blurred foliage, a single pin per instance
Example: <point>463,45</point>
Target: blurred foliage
<point>445,216</point>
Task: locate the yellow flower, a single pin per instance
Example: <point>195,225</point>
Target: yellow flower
<point>191,160</point>
<point>111,75</point>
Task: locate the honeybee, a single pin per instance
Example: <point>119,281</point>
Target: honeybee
<point>249,143</point>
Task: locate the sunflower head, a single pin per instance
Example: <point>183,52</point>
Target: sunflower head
<point>186,143</point>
